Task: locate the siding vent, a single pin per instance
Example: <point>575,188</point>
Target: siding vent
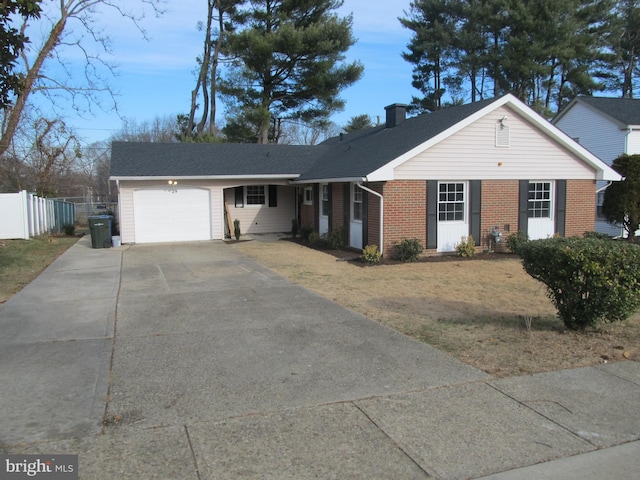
<point>503,137</point>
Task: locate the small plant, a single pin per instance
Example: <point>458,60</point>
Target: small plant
<point>294,228</point>
<point>317,241</point>
<point>515,240</point>
<point>335,239</point>
<point>69,229</point>
<point>371,254</point>
<point>305,232</point>
<point>236,229</point>
<point>466,248</point>
<point>408,250</point>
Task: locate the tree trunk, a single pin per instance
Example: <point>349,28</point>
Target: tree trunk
<point>15,113</point>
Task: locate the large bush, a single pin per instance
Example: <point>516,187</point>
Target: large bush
<point>408,250</point>
<point>589,280</point>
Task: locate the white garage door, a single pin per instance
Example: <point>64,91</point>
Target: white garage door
<point>172,215</point>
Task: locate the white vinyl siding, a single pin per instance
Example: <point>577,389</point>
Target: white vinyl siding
<point>530,154</point>
<point>633,142</point>
<point>269,220</point>
<point>598,133</point>
<point>262,218</point>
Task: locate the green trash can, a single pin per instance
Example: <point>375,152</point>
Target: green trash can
<point>100,228</point>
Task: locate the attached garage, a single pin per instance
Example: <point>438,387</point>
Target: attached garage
<point>175,214</point>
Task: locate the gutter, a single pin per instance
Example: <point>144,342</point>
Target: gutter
<point>366,189</point>
<point>605,187</point>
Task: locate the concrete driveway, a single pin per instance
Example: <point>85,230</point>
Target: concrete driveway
<point>204,364</point>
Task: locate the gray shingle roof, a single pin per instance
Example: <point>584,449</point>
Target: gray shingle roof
<point>133,159</point>
<point>359,154</point>
<point>349,156</point>
<point>624,110</point>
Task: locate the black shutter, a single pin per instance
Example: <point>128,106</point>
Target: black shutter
<point>273,196</point>
<point>239,192</point>
<point>432,214</point>
<point>316,207</point>
<point>523,207</point>
<point>475,207</point>
<point>330,193</point>
<point>346,210</point>
<point>561,206</point>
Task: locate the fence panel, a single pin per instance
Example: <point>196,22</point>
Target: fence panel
<point>14,216</point>
<point>23,215</point>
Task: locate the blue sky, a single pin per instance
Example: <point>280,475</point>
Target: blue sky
<point>155,77</point>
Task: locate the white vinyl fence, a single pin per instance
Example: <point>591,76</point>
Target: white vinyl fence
<point>24,215</point>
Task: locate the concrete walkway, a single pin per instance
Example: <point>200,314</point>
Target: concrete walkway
<point>193,361</point>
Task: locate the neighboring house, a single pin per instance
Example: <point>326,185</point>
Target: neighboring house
<point>493,166</point>
<point>608,127</point>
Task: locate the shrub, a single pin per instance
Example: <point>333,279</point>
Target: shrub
<point>335,239</point>
<point>589,280</point>
<point>515,240</point>
<point>236,229</point>
<point>371,254</point>
<point>69,229</point>
<point>305,232</point>
<point>316,241</point>
<point>601,236</point>
<point>408,250</point>
<point>467,247</point>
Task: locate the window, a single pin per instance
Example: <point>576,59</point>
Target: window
<point>451,202</point>
<point>357,203</point>
<point>255,195</point>
<point>308,195</point>
<point>539,200</point>
<point>325,200</point>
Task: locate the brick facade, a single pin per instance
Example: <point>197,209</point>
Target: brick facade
<point>581,210</point>
<point>405,210</point>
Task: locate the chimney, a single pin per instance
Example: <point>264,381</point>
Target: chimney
<point>396,114</point>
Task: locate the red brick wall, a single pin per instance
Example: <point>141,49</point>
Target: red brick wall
<point>581,207</point>
<point>499,209</point>
<point>405,212</point>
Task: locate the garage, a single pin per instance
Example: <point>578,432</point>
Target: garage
<point>174,214</point>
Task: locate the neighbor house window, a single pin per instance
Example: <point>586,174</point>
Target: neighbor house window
<point>357,203</point>
<point>539,205</point>
<point>308,195</point>
<point>256,195</point>
<point>451,200</point>
<point>325,200</point>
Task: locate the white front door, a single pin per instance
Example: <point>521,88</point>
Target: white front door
<point>355,225</point>
<point>324,209</point>
<point>541,222</point>
<point>453,216</point>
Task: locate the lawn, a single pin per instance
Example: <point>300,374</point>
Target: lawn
<point>486,312</point>
<point>22,260</point>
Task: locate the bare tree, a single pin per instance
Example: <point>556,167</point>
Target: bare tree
<point>68,23</point>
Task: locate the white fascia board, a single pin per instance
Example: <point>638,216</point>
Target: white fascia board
<point>207,177</point>
<point>328,180</point>
<point>603,171</point>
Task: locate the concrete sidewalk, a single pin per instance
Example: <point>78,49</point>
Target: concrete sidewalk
<point>223,369</point>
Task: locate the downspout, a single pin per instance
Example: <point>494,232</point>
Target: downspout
<point>604,188</point>
<point>366,189</point>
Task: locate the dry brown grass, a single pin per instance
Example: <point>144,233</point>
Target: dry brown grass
<point>476,310</point>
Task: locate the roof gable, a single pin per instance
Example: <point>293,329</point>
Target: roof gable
<point>623,111</point>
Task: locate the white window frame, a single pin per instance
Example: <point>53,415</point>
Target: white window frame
<point>324,202</point>
<point>308,196</point>
<point>263,194</point>
<point>356,191</point>
<point>539,198</point>
<point>453,201</point>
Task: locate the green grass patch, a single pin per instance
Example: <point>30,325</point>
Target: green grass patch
<point>22,260</point>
